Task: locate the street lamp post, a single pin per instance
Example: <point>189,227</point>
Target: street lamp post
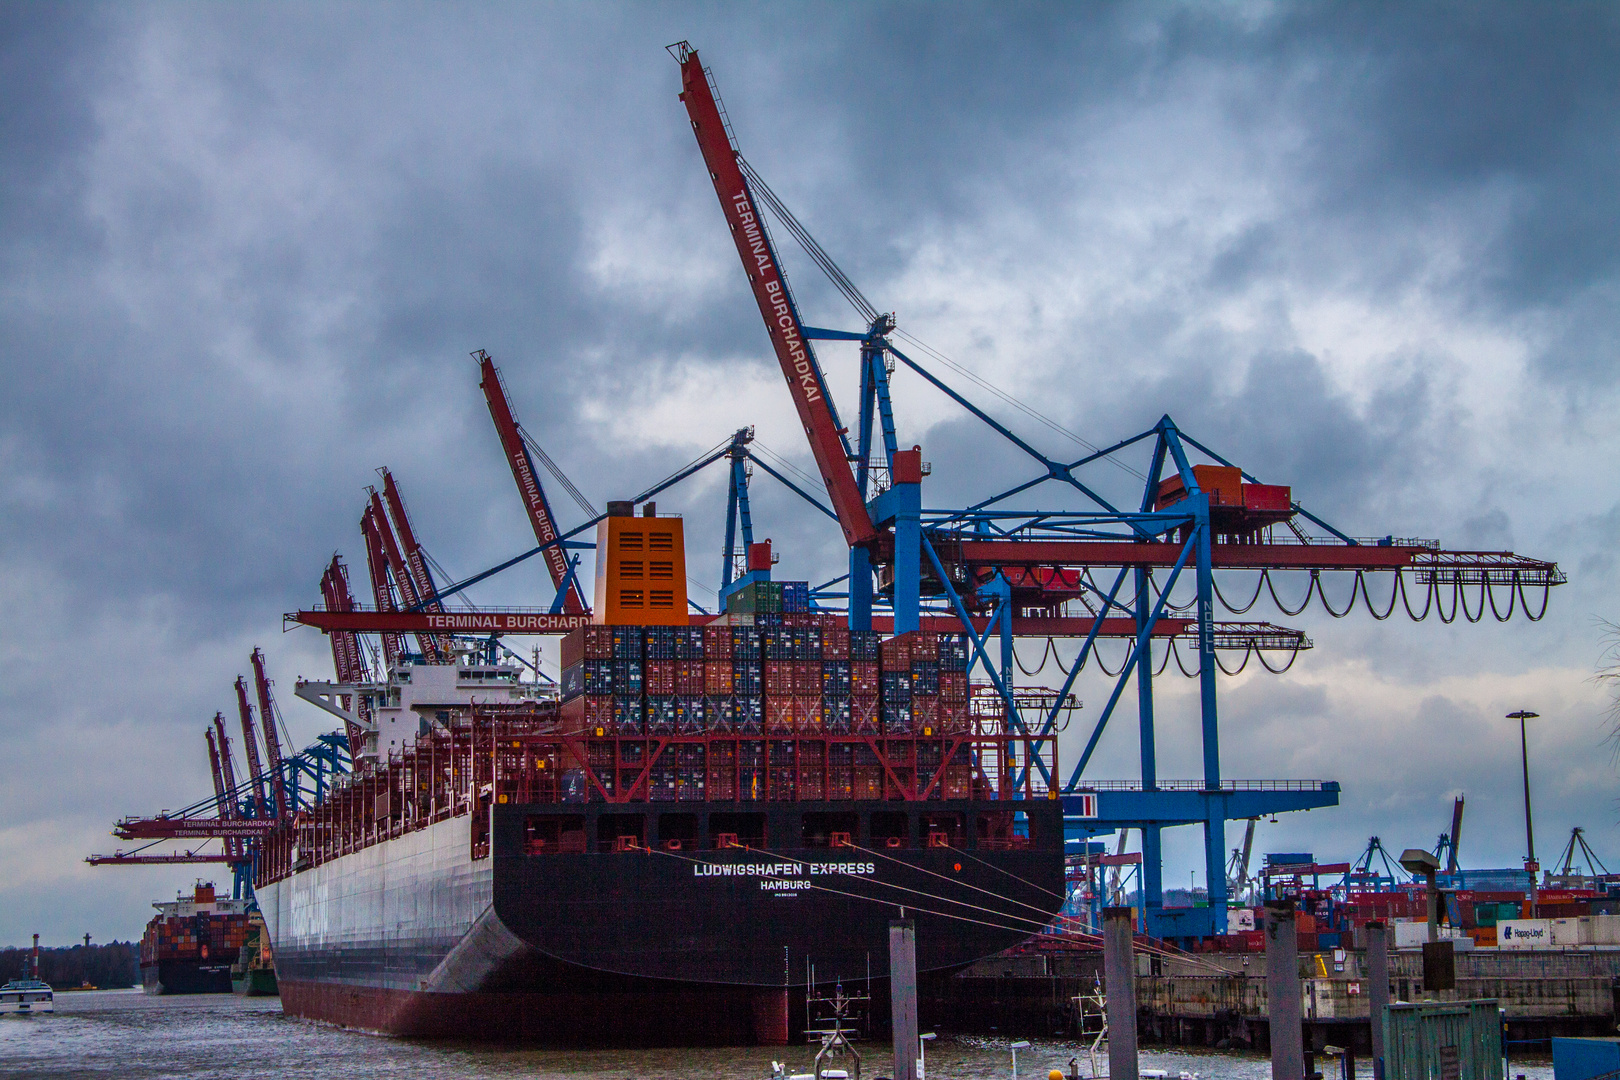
<point>1530,864</point>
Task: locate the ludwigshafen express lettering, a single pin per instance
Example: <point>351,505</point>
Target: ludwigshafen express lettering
<point>754,240</point>
<point>781,869</point>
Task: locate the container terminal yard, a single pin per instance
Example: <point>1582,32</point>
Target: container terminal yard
<point>705,822</point>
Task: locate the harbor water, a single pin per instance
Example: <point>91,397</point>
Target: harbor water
<point>133,1036</point>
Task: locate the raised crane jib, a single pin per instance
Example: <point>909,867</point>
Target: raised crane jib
<point>775,303</point>
<point>535,503</point>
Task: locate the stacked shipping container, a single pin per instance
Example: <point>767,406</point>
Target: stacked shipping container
<point>789,674</point>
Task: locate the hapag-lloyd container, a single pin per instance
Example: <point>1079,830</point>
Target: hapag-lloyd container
<point>1524,934</point>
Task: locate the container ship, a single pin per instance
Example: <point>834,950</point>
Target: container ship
<point>189,945</point>
<point>703,819</point>
<point>254,973</point>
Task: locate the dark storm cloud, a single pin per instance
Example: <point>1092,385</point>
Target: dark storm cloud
<point>247,249</point>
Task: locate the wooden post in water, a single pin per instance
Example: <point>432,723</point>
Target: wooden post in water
<point>1377,989</point>
<point>1119,973</point>
<point>1283,1008</point>
<point>903,996</point>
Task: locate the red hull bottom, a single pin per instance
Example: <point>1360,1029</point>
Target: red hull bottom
<point>696,1016</point>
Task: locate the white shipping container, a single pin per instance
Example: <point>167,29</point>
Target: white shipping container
<point>1605,929</point>
<point>1240,919</point>
<point>1567,932</point>
<point>1412,934</point>
<point>1524,934</point>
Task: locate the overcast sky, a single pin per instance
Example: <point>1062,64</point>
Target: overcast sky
<point>1366,250</point>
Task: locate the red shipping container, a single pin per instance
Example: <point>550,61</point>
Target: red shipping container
<point>807,677</point>
<point>955,717</point>
<point>689,678</point>
<point>807,714</point>
<point>717,642</point>
<point>896,653</point>
<point>778,678</point>
<point>717,679</point>
<point>865,714</point>
<point>953,686</point>
<point>925,715</point>
<point>658,678</point>
<point>834,643</point>
<point>781,715</point>
<point>587,643</point>
<point>865,677</point>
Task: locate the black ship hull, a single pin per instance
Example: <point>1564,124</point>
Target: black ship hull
<point>186,977</point>
<point>677,940</point>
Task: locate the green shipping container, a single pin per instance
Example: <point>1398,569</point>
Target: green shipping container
<point>1443,1040</point>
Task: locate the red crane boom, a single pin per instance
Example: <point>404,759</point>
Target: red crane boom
<point>382,592</point>
<point>416,565</point>
<point>427,644</point>
<point>224,798</point>
<point>220,801</point>
<point>226,767</point>
<point>770,288</point>
<point>272,741</point>
<point>346,657</point>
<point>261,802</point>
<point>535,502</point>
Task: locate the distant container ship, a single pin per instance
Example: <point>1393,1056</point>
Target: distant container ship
<point>711,812</point>
<point>190,944</point>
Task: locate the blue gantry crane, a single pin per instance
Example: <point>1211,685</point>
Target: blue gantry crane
<point>1198,514</point>
<point>1059,554</point>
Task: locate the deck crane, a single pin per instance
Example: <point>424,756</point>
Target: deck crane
<point>1199,515</point>
<point>415,560</point>
<point>544,523</point>
<point>382,589</point>
<point>431,645</point>
<point>250,747</point>
<point>272,741</point>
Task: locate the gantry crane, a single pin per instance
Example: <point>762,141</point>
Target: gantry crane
<point>237,814</point>
<point>1192,518</point>
<point>1153,566</point>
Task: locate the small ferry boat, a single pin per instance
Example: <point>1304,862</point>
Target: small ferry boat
<point>27,996</point>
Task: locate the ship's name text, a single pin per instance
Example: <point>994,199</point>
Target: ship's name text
<point>781,869</point>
